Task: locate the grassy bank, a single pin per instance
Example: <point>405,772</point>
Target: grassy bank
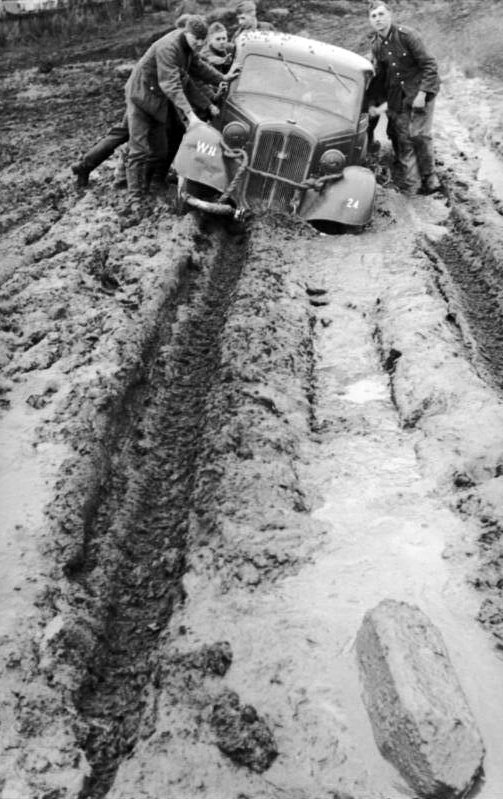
<point>465,32</point>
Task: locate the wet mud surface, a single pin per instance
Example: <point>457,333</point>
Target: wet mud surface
<point>221,447</point>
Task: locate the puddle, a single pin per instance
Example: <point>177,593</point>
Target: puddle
<point>366,391</point>
<point>491,170</point>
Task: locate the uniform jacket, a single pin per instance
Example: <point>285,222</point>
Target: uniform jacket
<point>403,67</point>
<point>161,76</point>
<point>198,92</point>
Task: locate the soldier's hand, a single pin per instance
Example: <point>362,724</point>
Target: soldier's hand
<point>233,72</point>
<point>193,119</point>
<point>214,110</point>
<point>377,110</point>
<point>419,100</point>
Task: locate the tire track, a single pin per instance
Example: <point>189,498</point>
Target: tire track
<point>134,554</point>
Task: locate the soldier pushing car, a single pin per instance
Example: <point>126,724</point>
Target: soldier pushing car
<point>199,93</point>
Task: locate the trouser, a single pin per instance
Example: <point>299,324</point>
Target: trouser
<point>373,123</point>
<point>105,147</point>
<point>152,146</point>
<point>391,134</point>
<point>412,130</point>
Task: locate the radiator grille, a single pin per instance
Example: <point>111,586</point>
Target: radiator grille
<point>286,155</point>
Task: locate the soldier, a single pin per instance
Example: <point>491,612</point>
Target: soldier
<point>155,91</point>
<point>410,78</point>
<point>246,12</point>
<point>218,51</point>
<point>119,135</point>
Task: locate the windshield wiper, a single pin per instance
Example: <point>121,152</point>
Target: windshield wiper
<point>287,65</point>
<point>341,80</point>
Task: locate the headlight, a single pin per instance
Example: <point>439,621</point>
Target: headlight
<point>332,162</point>
<point>235,134</point>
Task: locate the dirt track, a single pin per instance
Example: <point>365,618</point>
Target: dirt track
<point>219,449</point>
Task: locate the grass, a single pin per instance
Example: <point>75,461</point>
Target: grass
<point>68,21</point>
<point>465,32</point>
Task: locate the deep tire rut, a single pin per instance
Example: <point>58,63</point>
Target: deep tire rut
<point>136,547</point>
<point>476,279</point>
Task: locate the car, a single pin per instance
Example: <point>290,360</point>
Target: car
<point>291,136</point>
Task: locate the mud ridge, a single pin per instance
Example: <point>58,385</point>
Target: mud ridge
<point>133,556</point>
<point>472,261</point>
<point>388,359</point>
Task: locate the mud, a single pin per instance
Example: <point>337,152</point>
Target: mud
<point>221,447</point>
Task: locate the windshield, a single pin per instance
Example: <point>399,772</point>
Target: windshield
<point>276,77</point>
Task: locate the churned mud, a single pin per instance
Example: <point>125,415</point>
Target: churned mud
<point>221,446</point>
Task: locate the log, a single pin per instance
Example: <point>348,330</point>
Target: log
<point>420,717</point>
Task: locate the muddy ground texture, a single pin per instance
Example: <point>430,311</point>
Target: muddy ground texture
<point>167,432</point>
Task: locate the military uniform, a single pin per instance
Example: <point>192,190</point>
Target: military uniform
<point>200,94</point>
<point>403,68</point>
<point>100,151</point>
<point>221,60</point>
<point>158,107</point>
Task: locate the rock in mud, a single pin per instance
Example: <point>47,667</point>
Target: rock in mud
<point>215,659</point>
<point>241,733</point>
<point>420,717</point>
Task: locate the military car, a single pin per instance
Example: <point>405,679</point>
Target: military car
<point>291,136</point>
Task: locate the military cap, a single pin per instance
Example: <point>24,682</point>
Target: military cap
<point>246,7</point>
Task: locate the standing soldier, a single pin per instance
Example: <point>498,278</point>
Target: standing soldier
<point>155,93</point>
<point>409,75</point>
<point>246,13</point>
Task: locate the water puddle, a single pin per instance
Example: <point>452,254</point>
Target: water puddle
<point>491,170</point>
<point>366,391</point>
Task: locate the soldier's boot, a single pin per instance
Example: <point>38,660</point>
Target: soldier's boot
<point>136,184</point>
<point>120,173</point>
<point>430,184</point>
<point>156,173</point>
<point>92,159</point>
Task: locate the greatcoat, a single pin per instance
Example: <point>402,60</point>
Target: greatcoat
<point>161,75</point>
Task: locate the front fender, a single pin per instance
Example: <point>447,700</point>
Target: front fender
<point>347,201</point>
<point>200,157</point>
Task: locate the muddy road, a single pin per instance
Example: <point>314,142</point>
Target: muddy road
<point>221,446</point>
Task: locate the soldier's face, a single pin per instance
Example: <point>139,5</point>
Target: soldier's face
<point>380,19</point>
<point>218,40</point>
<point>194,43</point>
<point>247,19</point>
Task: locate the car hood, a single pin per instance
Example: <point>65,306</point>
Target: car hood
<point>274,111</point>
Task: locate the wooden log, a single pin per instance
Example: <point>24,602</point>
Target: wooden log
<point>420,717</point>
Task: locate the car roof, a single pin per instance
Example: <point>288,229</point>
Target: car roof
<point>302,50</point>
